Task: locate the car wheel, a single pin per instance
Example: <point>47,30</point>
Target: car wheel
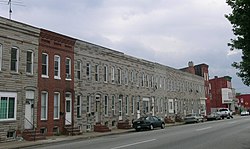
<point>151,127</point>
<point>162,126</point>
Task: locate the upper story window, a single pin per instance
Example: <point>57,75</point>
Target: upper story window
<point>96,72</point>
<point>113,74</point>
<point>57,62</point>
<point>45,64</point>
<point>126,76</point>
<point>14,59</point>
<point>152,81</point>
<point>132,76</point>
<point>68,68</point>
<point>119,76</point>
<point>147,80</point>
<point>142,79</point>
<point>105,76</point>
<point>88,71</point>
<point>29,62</point>
<point>1,56</point>
<point>78,69</point>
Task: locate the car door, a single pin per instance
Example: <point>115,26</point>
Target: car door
<point>156,121</point>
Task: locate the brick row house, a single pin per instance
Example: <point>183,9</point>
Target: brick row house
<point>86,86</point>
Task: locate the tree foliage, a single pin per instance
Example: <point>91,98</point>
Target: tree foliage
<point>240,20</point>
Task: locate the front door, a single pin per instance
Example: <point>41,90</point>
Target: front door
<point>68,109</point>
<point>97,109</point>
<point>28,121</point>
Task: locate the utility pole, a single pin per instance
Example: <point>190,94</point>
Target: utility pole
<point>10,11</point>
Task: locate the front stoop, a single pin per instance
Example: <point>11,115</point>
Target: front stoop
<point>32,135</point>
<point>101,128</point>
<point>124,125</point>
<point>69,130</point>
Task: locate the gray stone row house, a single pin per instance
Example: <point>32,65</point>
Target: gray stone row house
<point>18,73</point>
<point>110,87</point>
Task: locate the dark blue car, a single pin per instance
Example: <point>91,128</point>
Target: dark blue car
<point>148,122</point>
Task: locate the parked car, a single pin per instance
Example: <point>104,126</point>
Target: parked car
<point>148,122</point>
<point>193,118</point>
<point>225,113</point>
<point>213,116</point>
<point>244,113</point>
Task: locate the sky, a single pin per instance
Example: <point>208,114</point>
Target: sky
<point>169,32</point>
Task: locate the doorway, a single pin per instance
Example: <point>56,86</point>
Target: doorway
<point>68,109</point>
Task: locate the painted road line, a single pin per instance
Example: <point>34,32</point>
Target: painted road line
<point>203,128</point>
<point>122,146</point>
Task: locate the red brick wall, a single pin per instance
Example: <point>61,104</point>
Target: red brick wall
<point>244,100</point>
<point>54,44</point>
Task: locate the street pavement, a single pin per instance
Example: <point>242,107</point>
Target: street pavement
<point>64,138</point>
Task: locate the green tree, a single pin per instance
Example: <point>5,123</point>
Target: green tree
<point>240,20</point>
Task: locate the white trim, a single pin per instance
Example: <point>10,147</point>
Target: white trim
<point>58,112</point>
<point>59,66</point>
<point>68,74</point>
<point>46,106</point>
<point>47,66</point>
<point>17,59</point>
<point>13,95</point>
<point>32,62</point>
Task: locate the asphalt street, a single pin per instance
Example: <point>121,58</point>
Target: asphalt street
<point>221,134</point>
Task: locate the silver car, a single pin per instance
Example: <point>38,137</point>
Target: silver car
<point>193,118</point>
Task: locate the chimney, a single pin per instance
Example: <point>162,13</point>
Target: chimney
<point>190,64</point>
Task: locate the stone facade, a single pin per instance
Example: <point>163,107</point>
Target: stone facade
<point>138,87</point>
<point>18,73</point>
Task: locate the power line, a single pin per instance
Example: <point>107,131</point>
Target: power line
<point>10,3</point>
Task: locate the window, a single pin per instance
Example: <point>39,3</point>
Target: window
<point>105,77</point>
<point>147,80</point>
<point>106,105</point>
<point>126,105</point>
<point>57,67</point>
<point>78,107</point>
<point>68,68</point>
<point>152,82</point>
<point>44,65</point>
<point>119,76</point>
<point>44,105</point>
<point>132,76</point>
<point>113,105</point>
<point>88,71</point>
<point>78,69</point>
<point>132,104</point>
<point>14,59</point>
<point>56,105</point>
<point>126,77</point>
<point>1,56</point>
<point>113,74</point>
<point>145,106</point>
<point>96,72</point>
<point>8,106</point>
<point>138,103</point>
<point>29,62</point>
<point>142,79</point>
<point>88,104</point>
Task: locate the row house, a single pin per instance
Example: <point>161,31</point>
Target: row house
<point>52,81</point>
<point>18,73</point>
<point>243,101</point>
<point>112,88</point>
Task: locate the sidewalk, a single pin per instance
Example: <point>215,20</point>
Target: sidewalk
<point>56,139</point>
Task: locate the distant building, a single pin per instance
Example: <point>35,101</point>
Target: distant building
<point>201,70</point>
<point>222,93</point>
<point>244,101</point>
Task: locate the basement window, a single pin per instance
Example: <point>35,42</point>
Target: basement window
<point>11,134</point>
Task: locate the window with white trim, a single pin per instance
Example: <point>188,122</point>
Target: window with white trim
<point>126,105</point>
<point>78,69</point>
<point>106,105</point>
<point>14,59</point>
<point>1,56</point>
<point>105,75</point>
<point>45,64</point>
<point>44,105</point>
<point>113,74</point>
<point>126,77</point>
<point>132,75</point>
<point>88,104</point>
<point>29,61</point>
<point>56,105</point>
<point>78,106</point>
<point>68,68</point>
<point>113,105</point>
<point>119,76</point>
<point>88,71</point>
<point>142,79</point>
<point>132,105</point>
<point>8,106</point>
<point>96,73</point>
<point>57,62</point>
